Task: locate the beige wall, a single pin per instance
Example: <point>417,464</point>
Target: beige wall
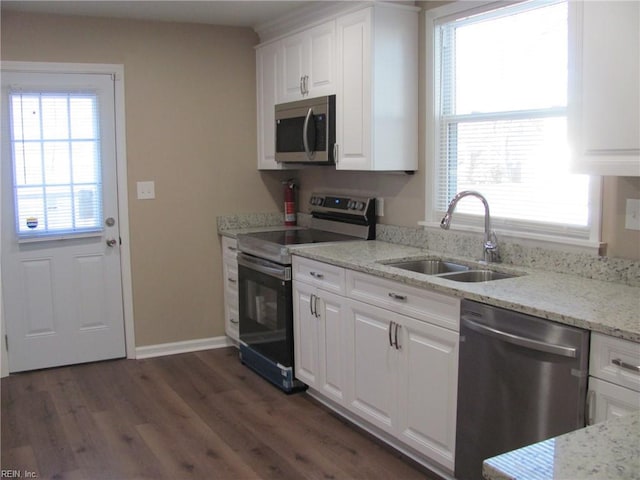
<point>190,118</point>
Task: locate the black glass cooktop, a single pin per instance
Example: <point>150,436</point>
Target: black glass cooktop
<point>302,236</point>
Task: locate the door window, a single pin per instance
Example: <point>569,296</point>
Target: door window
<point>55,146</point>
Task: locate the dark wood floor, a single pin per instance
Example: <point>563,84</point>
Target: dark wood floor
<point>198,415</point>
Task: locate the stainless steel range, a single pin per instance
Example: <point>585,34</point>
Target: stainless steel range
<point>264,281</point>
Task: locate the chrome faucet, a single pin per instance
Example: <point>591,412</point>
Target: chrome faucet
<point>491,253</point>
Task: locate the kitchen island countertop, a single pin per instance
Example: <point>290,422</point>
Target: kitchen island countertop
<point>604,451</point>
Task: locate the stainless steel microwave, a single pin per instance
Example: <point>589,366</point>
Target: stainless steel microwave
<point>306,131</point>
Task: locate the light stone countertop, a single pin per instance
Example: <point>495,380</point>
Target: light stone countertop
<point>609,450</point>
<point>599,306</point>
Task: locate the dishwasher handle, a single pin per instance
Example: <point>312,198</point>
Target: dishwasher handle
<point>520,341</point>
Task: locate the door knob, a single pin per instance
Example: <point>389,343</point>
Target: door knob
<point>111,242</point>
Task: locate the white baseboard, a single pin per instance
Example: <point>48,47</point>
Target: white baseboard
<point>149,351</point>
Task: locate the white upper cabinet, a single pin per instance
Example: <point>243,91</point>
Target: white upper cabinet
<point>308,63</point>
<point>377,95</point>
<point>605,98</point>
<point>368,58</point>
<point>267,96</point>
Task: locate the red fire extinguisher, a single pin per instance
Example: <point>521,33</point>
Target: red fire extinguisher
<point>289,202</point>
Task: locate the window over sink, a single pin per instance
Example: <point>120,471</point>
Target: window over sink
<point>499,77</point>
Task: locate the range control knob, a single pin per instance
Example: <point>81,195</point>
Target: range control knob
<point>350,204</point>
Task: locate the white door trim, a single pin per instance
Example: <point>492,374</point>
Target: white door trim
<point>121,165</point>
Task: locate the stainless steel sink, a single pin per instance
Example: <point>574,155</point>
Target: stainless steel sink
<point>476,276</point>
<point>429,266</point>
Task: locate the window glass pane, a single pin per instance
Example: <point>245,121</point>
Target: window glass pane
<point>30,203</point>
<point>55,117</point>
<point>515,62</point>
<point>83,123</point>
<point>28,164</point>
<point>85,163</point>
<point>56,163</point>
<point>25,117</point>
<point>56,146</point>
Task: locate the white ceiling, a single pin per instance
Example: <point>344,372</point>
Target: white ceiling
<point>240,13</point>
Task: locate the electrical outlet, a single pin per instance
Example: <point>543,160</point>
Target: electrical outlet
<point>380,207</point>
<point>632,217</point>
<point>146,190</point>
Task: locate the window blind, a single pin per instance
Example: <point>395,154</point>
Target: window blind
<point>55,140</point>
<point>501,100</point>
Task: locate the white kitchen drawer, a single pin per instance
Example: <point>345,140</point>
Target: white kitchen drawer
<point>229,247</point>
<point>607,400</point>
<point>322,275</point>
<point>414,302</point>
<point>615,360</point>
<point>230,269</point>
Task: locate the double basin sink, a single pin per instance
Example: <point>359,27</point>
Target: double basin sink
<point>449,270</point>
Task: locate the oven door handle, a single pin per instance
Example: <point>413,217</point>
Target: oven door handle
<point>264,266</point>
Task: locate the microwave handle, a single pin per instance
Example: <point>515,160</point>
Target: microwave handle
<point>305,139</point>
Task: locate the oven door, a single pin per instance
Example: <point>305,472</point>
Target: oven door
<point>266,309</point>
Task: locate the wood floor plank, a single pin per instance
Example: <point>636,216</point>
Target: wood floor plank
<point>196,415</point>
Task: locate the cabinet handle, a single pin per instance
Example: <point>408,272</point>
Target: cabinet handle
<point>390,327</point>
<point>302,85</point>
<point>316,275</point>
<point>625,365</point>
<point>233,321</point>
<point>311,302</point>
<point>233,249</point>
<point>395,296</point>
<point>396,335</point>
<point>590,407</point>
<point>232,280</point>
<point>335,153</point>
<point>315,306</point>
<point>306,84</point>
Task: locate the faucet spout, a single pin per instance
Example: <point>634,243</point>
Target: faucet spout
<point>490,246</point>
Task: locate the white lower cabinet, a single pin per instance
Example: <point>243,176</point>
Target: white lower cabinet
<point>319,339</point>
<point>404,375</point>
<point>614,378</point>
<point>230,279</point>
<point>392,365</point>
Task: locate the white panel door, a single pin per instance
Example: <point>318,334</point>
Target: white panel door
<point>375,363</point>
<point>427,389</point>
<point>332,345</point>
<point>61,273</point>
<point>306,334</point>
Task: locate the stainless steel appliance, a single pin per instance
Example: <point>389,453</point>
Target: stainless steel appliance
<point>522,379</point>
<point>264,282</point>
<point>306,131</point>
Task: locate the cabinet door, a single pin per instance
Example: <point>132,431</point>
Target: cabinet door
<point>308,63</point>
<point>322,60</point>
<point>607,401</point>
<point>306,334</point>
<point>373,364</point>
<point>605,107</point>
<point>427,389</point>
<point>267,96</point>
<point>332,345</point>
<point>353,102</point>
<point>294,53</point>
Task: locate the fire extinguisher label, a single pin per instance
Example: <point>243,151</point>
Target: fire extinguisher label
<point>289,212</point>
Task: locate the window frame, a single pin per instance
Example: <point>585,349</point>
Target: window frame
<point>550,233</point>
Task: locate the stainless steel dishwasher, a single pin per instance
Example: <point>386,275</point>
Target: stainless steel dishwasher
<point>522,379</point>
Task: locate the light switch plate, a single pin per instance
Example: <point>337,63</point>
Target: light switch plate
<point>146,190</point>
<point>632,217</point>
